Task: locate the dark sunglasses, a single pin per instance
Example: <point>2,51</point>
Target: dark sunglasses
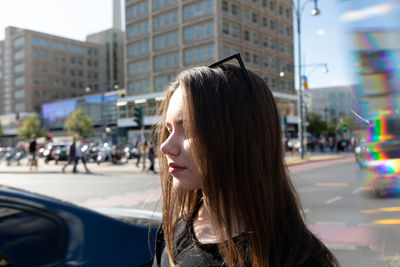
<point>239,59</point>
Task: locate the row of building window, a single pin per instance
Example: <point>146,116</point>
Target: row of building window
<point>61,46</point>
<point>19,94</point>
<point>19,68</point>
<point>143,7</point>
<point>138,29</point>
<point>138,67</point>
<point>166,40</point>
<point>18,42</point>
<point>138,48</point>
<point>234,10</point>
<point>165,20</point>
<point>19,81</point>
<point>143,85</point>
<point>137,10</point>
<point>199,54</point>
<point>166,61</point>
<point>19,55</point>
<point>197,9</point>
<point>199,31</point>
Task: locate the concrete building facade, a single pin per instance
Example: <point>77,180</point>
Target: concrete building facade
<point>331,103</point>
<point>36,68</point>
<point>164,37</point>
<point>111,62</point>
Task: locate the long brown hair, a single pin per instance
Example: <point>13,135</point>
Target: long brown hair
<point>236,140</point>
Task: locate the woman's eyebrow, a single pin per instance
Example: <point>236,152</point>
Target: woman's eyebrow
<point>177,122</point>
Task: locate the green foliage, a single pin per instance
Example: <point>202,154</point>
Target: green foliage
<point>31,125</point>
<point>79,124</point>
<point>316,124</point>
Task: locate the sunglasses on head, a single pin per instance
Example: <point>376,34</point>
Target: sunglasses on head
<point>239,59</point>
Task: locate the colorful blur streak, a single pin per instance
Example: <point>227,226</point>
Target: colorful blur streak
<point>374,28</point>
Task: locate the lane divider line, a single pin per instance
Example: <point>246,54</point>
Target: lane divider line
<point>358,190</point>
<point>329,201</point>
<point>331,184</point>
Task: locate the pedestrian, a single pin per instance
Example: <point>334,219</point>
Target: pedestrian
<point>32,152</point>
<point>136,152</point>
<point>226,194</point>
<point>145,150</point>
<point>151,157</point>
<point>80,155</point>
<point>71,154</point>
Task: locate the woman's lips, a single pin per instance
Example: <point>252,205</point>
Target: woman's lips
<point>174,168</point>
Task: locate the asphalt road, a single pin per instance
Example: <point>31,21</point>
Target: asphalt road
<point>352,224</point>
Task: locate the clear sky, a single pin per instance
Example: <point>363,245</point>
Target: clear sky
<point>322,37</point>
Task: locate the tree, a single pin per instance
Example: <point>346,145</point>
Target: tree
<point>316,124</point>
<point>78,123</point>
<point>31,125</point>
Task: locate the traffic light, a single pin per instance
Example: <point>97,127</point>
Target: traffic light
<point>49,137</point>
<point>344,128</point>
<point>138,115</point>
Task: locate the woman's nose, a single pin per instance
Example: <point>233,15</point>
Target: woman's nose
<point>170,146</point>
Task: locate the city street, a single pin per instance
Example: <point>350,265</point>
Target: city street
<point>336,207</point>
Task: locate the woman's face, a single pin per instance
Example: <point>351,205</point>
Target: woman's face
<point>177,148</point>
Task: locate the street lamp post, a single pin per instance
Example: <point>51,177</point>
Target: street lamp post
<point>314,12</point>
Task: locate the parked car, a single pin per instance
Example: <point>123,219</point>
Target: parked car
<point>36,230</point>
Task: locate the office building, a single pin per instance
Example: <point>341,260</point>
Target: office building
<point>332,103</point>
<point>36,68</point>
<point>164,37</point>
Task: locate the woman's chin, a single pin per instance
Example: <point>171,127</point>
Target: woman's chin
<point>179,185</point>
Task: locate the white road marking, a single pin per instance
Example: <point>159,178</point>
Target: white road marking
<point>306,210</point>
<point>329,201</point>
<point>331,223</point>
<point>358,190</point>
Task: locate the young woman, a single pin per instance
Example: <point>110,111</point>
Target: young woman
<point>227,197</point>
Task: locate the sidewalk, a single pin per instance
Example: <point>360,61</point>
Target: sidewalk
<point>130,167</point>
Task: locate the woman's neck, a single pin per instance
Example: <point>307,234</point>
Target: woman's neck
<point>204,227</point>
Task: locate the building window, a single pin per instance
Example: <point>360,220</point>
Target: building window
<point>246,14</point>
<point>19,94</point>
<point>197,9</point>
<point>247,56</point>
<point>255,59</point>
<point>272,5</point>
<point>138,48</point>
<point>254,38</point>
<point>138,67</point>
<point>225,6</point>
<point>272,25</point>
<point>138,29</point>
<point>235,31</point>
<point>265,62</point>
<point>19,68</point>
<point>166,61</point>
<point>161,3</point>
<point>226,51</point>
<point>166,40</point>
<point>254,18</point>
<point>19,81</point>
<point>19,55</point>
<point>199,31</point>
<point>40,42</point>
<point>234,10</point>
<point>225,28</point>
<point>265,41</point>
<point>165,20</point>
<point>139,87</point>
<point>199,54</point>
<point>137,10</point>
<point>19,107</point>
<point>161,82</point>
<point>247,35</point>
<point>18,42</point>
<point>265,22</point>
<point>60,46</point>
<point>76,49</point>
